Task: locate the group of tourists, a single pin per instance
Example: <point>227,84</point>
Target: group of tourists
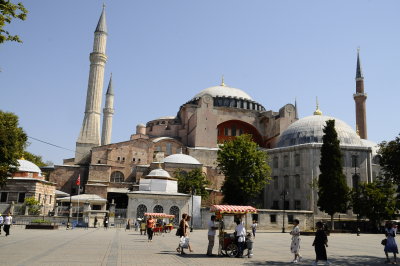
<point>6,223</point>
<point>183,232</point>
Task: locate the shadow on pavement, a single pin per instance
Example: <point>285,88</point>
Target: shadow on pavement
<point>349,260</point>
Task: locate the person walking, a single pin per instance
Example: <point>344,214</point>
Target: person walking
<point>212,231</point>
<point>188,218</point>
<point>240,232</point>
<point>128,225</point>
<point>295,245</point>
<point>320,242</point>
<point>181,232</point>
<point>150,228</point>
<point>7,224</point>
<point>142,228</point>
<point>391,245</point>
<point>95,222</point>
<point>1,222</point>
<point>105,223</point>
<point>254,228</point>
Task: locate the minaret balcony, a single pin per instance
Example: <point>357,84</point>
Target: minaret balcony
<point>359,95</point>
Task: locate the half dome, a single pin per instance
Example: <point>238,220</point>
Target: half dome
<point>224,91</point>
<point>309,130</point>
<point>181,159</point>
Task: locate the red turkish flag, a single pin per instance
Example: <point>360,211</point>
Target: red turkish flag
<point>78,181</point>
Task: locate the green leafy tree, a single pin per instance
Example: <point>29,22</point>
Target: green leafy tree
<point>375,201</point>
<point>33,205</point>
<point>333,192</point>
<point>390,159</point>
<point>194,179</point>
<point>8,12</point>
<point>245,168</point>
<point>12,145</point>
<point>36,159</point>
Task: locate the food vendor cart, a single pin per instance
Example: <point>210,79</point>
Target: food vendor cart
<point>160,228</point>
<point>227,242</point>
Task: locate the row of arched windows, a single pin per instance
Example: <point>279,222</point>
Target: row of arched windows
<point>142,209</point>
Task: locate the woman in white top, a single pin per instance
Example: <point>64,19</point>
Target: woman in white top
<point>295,245</point>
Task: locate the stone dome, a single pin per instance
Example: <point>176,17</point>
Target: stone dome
<point>181,159</point>
<point>224,91</point>
<point>309,130</point>
<point>158,173</point>
<point>27,166</point>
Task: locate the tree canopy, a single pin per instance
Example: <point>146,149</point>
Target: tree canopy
<point>333,192</point>
<point>375,201</point>
<point>245,168</point>
<point>390,159</point>
<point>12,145</point>
<point>36,159</point>
<point>8,12</point>
<point>194,179</point>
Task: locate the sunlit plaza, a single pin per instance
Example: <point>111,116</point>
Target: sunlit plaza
<point>116,246</point>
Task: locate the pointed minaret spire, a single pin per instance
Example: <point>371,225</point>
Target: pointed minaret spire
<point>110,89</point>
<point>359,74</point>
<point>295,109</point>
<point>102,25</point>
<point>360,98</point>
<point>89,135</point>
<point>108,112</point>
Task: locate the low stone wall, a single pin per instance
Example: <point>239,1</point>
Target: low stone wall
<point>267,219</point>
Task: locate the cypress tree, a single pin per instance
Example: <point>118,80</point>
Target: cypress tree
<point>333,192</point>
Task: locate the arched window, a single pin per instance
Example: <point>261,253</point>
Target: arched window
<point>140,211</point>
<point>276,184</point>
<point>174,210</point>
<point>158,209</point>
<point>297,181</point>
<point>285,161</point>
<point>286,181</point>
<point>275,162</point>
<point>297,159</point>
<point>117,177</point>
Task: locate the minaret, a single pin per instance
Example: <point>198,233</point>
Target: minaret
<point>108,112</point>
<point>89,135</point>
<point>360,97</point>
<point>295,109</point>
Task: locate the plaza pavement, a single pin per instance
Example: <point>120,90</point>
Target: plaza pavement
<point>116,246</point>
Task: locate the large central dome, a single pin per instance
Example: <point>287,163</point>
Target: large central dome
<point>309,130</point>
<point>224,91</point>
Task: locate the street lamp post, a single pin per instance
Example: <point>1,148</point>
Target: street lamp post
<point>191,219</point>
<point>355,184</point>
<point>69,207</point>
<point>283,194</point>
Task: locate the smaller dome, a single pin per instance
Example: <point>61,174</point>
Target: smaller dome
<point>27,166</point>
<point>181,158</point>
<point>158,173</point>
<point>141,125</point>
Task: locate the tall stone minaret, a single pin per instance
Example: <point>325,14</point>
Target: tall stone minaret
<point>108,112</point>
<point>360,97</point>
<point>89,135</point>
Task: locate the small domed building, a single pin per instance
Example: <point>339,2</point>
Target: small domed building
<point>27,182</point>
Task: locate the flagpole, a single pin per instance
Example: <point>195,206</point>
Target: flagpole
<point>77,213</point>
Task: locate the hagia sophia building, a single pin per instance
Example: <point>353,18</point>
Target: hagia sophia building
<point>190,140</point>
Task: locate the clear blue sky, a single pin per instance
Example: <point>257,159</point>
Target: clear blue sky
<point>162,53</point>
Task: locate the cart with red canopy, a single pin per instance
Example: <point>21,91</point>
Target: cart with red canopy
<point>159,228</point>
<point>227,242</point>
